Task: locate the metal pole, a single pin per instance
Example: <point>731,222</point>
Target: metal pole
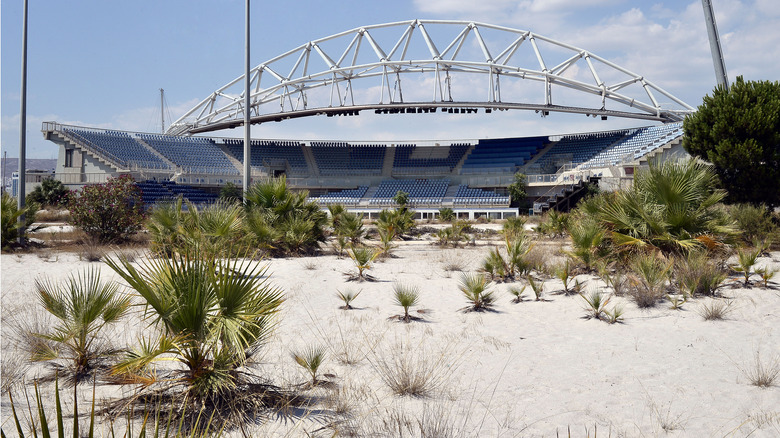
<point>715,48</point>
<point>247,148</point>
<point>23,128</point>
<point>162,111</point>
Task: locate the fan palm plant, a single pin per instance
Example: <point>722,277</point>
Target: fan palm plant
<point>347,297</point>
<point>651,273</point>
<point>285,221</point>
<point>350,226</point>
<point>671,206</point>
<point>82,306</point>
<point>216,228</point>
<point>586,238</point>
<point>165,227</point>
<point>518,245</point>
<point>563,272</point>
<point>363,257</point>
<point>475,289</point>
<point>10,218</point>
<point>212,316</point>
<point>406,297</point>
<point>747,259</point>
<point>310,359</point>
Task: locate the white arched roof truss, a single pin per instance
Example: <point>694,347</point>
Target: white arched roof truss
<point>320,77</point>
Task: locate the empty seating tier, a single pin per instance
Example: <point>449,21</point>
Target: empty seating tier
<point>472,196</point>
<point>636,145</point>
<point>119,147</point>
<point>355,159</point>
<point>410,158</point>
<point>577,149</point>
<point>264,153</point>
<point>194,154</point>
<point>346,197</point>
<point>504,155</point>
<point>153,192</point>
<point>421,191</point>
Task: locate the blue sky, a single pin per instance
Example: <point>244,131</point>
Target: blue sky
<point>101,63</point>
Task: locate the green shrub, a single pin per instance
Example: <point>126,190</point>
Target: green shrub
<point>283,221</point>
<point>109,212</point>
<point>754,222</point>
<point>10,218</point>
<point>231,193</point>
<point>50,192</point>
<point>446,214</point>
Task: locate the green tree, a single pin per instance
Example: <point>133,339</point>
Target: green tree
<point>402,199</point>
<point>50,192</point>
<point>231,192</point>
<point>739,132</point>
<point>517,190</point>
<point>109,212</point>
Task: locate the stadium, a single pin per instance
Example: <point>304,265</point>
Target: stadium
<point>449,69</point>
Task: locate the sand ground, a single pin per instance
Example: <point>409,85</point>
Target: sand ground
<point>527,369</point>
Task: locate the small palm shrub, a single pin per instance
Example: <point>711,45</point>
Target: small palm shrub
<point>386,244</point>
<point>613,278</point>
<point>211,315</point>
<point>218,228</point>
<point>347,296</point>
<point>475,288</point>
<point>109,212</point>
<point>746,259</point>
<point>514,226</point>
<point>766,274</point>
<point>596,303</point>
<point>564,273</point>
<point>310,359</point>
<point>396,222</point>
<point>614,315</point>
<point>10,218</point>
<point>350,226</point>
<point>165,226</point>
<point>363,257</point>
<point>554,224</point>
<point>536,286</point>
<point>649,280</point>
<point>406,297</point>
<point>586,237</point>
<point>677,301</point>
<point>494,265</point>
<point>446,214</point>
<point>518,246</point>
<point>283,221</point>
<point>671,206</point>
<point>453,235</point>
<point>83,306</point>
<point>517,292</point>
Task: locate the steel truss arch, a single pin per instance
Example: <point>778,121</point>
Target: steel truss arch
<point>319,77</point>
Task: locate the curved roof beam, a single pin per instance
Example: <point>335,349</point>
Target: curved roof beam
<point>459,75</point>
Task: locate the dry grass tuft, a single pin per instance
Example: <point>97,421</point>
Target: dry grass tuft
<point>716,310</point>
<point>763,374</point>
<point>412,369</point>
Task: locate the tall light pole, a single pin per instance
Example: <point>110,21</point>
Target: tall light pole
<point>247,148</point>
<point>715,48</point>
<point>23,128</point>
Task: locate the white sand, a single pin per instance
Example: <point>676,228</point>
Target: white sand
<point>528,369</point>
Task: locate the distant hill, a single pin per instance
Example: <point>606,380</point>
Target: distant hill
<point>12,165</point>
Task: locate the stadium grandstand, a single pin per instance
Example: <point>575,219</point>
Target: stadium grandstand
<point>471,176</point>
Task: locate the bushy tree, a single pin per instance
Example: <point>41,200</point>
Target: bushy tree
<point>739,132</point>
<point>231,192</point>
<point>50,192</point>
<point>517,190</point>
<point>109,212</point>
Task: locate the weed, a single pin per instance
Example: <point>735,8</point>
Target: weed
<point>475,289</point>
<point>347,297</point>
<point>716,310</point>
<point>763,374</point>
<point>596,303</point>
<point>406,297</point>
<point>310,359</point>
<point>537,287</point>
<point>517,292</point>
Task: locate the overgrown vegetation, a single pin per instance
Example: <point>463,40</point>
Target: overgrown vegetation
<point>110,212</point>
<point>10,218</point>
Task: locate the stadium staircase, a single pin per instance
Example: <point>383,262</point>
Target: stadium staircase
<point>563,198</point>
<point>387,166</point>
<point>310,160</point>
